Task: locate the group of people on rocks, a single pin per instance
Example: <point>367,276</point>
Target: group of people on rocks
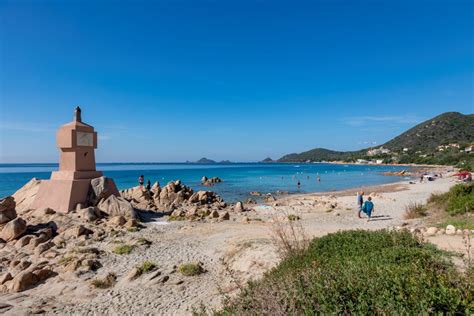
<point>141,181</point>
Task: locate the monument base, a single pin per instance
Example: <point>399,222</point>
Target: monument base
<point>64,195</point>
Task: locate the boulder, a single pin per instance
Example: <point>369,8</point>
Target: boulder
<point>100,189</point>
<point>13,229</point>
<point>239,207</point>
<point>89,214</point>
<point>77,231</point>
<point>450,230</point>
<point>117,221</point>
<point>24,280</point>
<point>25,196</point>
<point>431,231</point>
<point>117,206</point>
<point>23,241</point>
<point>7,209</point>
<point>6,277</point>
<point>210,182</point>
<point>225,216</point>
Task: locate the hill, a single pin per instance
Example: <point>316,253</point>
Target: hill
<point>447,128</point>
<point>420,144</point>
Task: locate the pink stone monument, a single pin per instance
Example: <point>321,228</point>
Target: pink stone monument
<point>71,184</point>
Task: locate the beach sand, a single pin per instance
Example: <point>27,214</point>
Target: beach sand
<point>232,252</point>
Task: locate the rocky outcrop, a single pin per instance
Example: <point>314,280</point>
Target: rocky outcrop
<point>210,181</point>
<point>100,189</point>
<point>25,196</point>
<point>117,206</point>
<point>13,229</point>
<point>7,209</point>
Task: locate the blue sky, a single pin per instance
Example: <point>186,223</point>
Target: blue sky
<point>239,80</point>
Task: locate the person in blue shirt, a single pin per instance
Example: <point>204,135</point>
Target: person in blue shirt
<point>368,207</point>
<point>360,202</point>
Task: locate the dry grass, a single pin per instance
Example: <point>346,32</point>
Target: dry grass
<point>106,282</point>
<point>289,237</point>
<point>415,210</point>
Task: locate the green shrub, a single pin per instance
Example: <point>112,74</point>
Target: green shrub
<point>146,267</point>
<point>358,272</point>
<point>190,269</point>
<point>458,200</point>
<point>123,249</point>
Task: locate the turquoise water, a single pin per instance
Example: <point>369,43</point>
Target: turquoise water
<point>239,178</point>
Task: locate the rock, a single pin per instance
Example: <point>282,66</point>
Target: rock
<point>255,193</point>
<point>90,214</point>
<point>40,213</point>
<point>25,196</point>
<point>466,232</point>
<point>239,207</point>
<point>43,274</point>
<point>133,274</point>
<point>24,280</point>
<point>7,209</point>
<point>450,230</point>
<point>101,188</point>
<point>43,247</point>
<point>13,229</point>
<point>91,264</point>
<point>117,221</point>
<point>431,231</point>
<point>77,231</point>
<point>225,216</point>
<point>23,241</point>
<point>270,198</point>
<point>441,231</point>
<point>117,206</point>
<point>210,182</point>
<point>459,232</point>
<point>131,223</point>
<point>214,214</point>
<point>5,277</point>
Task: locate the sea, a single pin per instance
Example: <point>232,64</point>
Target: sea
<point>239,179</point>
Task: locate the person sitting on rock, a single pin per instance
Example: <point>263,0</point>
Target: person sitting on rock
<point>368,208</point>
<point>148,186</point>
<point>141,180</point>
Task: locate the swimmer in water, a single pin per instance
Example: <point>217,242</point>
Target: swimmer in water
<point>299,185</point>
<point>319,179</point>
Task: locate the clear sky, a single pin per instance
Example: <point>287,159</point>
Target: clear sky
<point>239,80</point>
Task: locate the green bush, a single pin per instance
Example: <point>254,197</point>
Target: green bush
<point>190,269</point>
<point>146,266</point>
<point>123,249</point>
<point>358,272</point>
<point>104,283</point>
<point>458,200</point>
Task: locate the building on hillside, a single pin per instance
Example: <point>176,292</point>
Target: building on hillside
<point>362,161</point>
<point>469,149</point>
<point>378,151</point>
<point>405,149</point>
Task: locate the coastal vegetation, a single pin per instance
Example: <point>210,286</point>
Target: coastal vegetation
<point>415,210</point>
<point>190,269</point>
<point>359,272</point>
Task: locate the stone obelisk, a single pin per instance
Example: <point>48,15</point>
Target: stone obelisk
<point>71,184</point>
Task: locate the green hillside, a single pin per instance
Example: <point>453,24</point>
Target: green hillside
<point>417,145</point>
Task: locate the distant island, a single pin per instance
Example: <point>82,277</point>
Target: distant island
<point>447,139</point>
<point>267,160</point>
<point>205,160</point>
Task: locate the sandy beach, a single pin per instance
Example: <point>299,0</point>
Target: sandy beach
<point>232,252</point>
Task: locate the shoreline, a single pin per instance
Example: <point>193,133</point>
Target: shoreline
<point>242,244</point>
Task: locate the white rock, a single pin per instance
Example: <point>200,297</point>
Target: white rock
<point>431,231</point>
<point>450,230</point>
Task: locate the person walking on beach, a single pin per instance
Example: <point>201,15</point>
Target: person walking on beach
<point>360,202</point>
<point>141,180</point>
<point>368,208</point>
